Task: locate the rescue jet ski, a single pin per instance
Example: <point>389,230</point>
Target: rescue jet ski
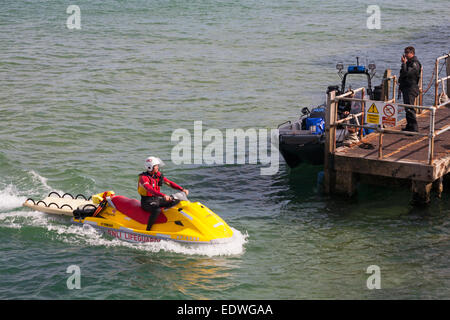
<point>303,140</point>
<point>123,218</point>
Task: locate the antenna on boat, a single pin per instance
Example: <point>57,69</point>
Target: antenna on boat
<point>340,67</point>
<point>372,68</point>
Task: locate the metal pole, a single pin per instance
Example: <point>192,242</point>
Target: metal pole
<point>436,83</point>
<point>431,137</point>
<point>421,87</point>
<point>363,110</point>
<point>394,89</point>
<point>333,128</point>
<point>447,61</point>
<point>380,145</point>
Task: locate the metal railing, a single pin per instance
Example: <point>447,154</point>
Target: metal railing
<point>437,79</point>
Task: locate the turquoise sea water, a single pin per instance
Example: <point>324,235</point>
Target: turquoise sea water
<point>81,109</point>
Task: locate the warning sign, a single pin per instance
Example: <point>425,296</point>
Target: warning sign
<point>387,117</point>
<point>372,114</point>
<point>372,118</point>
<point>373,109</point>
<point>389,110</point>
<point>390,115</point>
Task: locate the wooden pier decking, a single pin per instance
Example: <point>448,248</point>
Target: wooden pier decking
<point>403,157</point>
<point>421,160</point>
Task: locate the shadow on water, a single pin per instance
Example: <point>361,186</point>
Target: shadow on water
<point>174,276</point>
<point>304,191</point>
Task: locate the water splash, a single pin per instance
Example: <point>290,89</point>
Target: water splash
<point>10,198</point>
<point>59,228</point>
<point>42,182</point>
<point>90,236</point>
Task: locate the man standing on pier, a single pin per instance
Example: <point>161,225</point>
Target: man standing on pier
<point>409,86</point>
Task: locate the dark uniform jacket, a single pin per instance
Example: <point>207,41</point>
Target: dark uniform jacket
<point>410,76</point>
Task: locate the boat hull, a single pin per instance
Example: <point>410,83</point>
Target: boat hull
<point>302,149</point>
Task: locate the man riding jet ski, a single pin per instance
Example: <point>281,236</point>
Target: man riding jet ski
<point>157,217</point>
<point>123,218</point>
<point>149,185</point>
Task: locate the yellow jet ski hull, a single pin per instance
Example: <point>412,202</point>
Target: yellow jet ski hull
<point>187,222</point>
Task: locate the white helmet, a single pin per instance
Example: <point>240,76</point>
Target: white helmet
<point>150,162</point>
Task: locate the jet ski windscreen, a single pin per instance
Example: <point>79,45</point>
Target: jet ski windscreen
<point>180,196</point>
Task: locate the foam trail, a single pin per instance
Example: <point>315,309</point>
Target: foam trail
<point>43,181</point>
<point>60,229</point>
<point>10,198</point>
<point>89,235</point>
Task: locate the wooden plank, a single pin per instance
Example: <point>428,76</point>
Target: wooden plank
<point>441,167</point>
<point>397,169</point>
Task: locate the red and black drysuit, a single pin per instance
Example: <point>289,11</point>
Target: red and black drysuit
<point>152,200</point>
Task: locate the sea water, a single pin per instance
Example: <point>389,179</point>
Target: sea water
<point>80,109</point>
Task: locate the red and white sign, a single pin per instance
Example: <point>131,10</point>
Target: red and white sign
<point>390,114</point>
<point>381,113</point>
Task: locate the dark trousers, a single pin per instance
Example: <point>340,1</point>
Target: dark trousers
<point>408,98</point>
<point>154,205</point>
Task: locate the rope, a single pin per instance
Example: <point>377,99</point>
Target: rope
<point>432,77</point>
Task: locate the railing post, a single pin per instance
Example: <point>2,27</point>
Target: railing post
<point>421,88</point>
<point>363,110</point>
<point>431,137</point>
<point>330,140</point>
<point>385,84</point>
<point>380,145</point>
<point>394,89</point>
<point>447,60</point>
<point>436,84</point>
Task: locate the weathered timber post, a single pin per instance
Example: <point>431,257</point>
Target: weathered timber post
<point>345,183</point>
<point>438,186</point>
<point>385,85</point>
<point>330,142</point>
<point>421,192</point>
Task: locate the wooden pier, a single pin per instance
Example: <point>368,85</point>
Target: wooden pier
<point>420,160</point>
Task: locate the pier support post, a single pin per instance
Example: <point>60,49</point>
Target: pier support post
<point>421,192</point>
<point>330,142</point>
<point>345,183</point>
<point>446,182</point>
<point>438,186</point>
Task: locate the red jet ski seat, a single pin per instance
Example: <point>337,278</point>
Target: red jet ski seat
<point>132,208</point>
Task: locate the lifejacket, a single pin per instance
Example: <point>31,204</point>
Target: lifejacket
<point>155,181</point>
